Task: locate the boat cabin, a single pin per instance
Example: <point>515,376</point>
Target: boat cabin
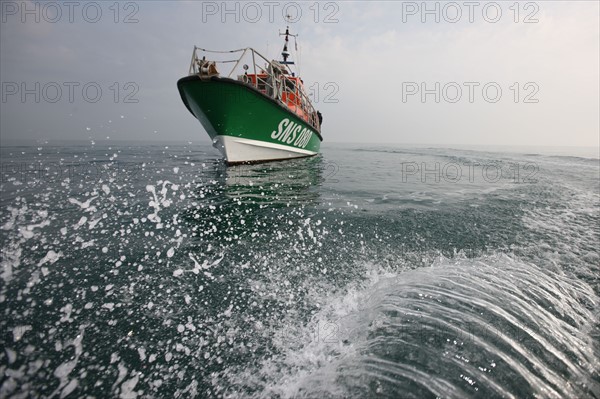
<point>290,91</point>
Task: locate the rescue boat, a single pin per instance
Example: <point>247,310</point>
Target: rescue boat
<point>259,111</point>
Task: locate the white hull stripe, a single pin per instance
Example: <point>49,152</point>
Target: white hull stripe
<point>237,149</point>
<point>274,146</point>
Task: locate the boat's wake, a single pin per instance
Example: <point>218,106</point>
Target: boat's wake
<point>495,327</point>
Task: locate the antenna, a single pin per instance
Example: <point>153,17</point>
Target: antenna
<point>298,59</point>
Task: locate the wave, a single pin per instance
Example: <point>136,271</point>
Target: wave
<point>492,327</point>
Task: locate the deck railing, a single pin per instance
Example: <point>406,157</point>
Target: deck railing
<point>271,78</point>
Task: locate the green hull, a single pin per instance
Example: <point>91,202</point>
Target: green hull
<point>246,125</point>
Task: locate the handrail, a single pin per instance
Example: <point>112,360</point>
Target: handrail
<point>219,51</point>
<point>273,85</point>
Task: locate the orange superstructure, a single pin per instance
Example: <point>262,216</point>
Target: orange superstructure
<point>290,90</point>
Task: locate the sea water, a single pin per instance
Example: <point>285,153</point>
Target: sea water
<point>369,271</point>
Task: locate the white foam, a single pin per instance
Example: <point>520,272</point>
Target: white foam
<point>127,387</point>
<point>11,354</point>
<point>142,353</point>
<point>19,331</point>
<point>51,258</point>
<point>82,205</point>
<point>69,388</point>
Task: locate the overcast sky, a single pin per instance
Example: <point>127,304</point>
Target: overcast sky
<point>367,62</point>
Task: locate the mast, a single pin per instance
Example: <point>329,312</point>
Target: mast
<point>285,53</point>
